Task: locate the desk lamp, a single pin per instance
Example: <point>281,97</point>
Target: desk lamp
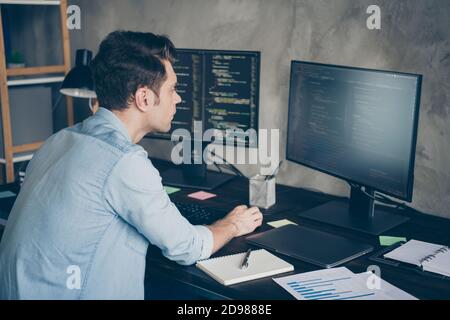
<point>78,82</point>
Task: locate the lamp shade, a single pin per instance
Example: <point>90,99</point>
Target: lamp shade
<point>79,82</point>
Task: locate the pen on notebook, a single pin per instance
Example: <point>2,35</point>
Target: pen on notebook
<point>244,264</point>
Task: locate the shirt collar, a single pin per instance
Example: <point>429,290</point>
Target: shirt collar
<point>112,119</point>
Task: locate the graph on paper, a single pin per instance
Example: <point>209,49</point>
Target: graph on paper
<point>320,289</point>
<point>338,284</point>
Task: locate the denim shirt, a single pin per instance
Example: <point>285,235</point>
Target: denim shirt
<point>90,204</point>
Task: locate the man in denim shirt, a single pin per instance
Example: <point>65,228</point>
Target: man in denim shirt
<point>92,200</point>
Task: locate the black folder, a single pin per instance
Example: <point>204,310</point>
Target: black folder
<point>316,247</point>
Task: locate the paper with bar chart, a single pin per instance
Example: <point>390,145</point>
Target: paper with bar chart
<point>340,284</point>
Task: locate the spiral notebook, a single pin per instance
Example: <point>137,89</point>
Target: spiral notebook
<point>430,257</point>
<point>227,269</point>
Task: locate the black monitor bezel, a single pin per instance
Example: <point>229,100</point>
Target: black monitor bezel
<point>258,55</point>
<point>410,184</point>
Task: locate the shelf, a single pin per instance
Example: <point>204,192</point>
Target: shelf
<point>10,77</point>
<point>26,157</point>
<point>32,2</point>
<point>27,147</point>
<point>31,81</point>
<point>35,70</point>
<point>32,147</point>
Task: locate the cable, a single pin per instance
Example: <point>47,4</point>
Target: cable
<point>383,199</point>
<point>232,167</point>
<point>217,167</point>
<point>356,186</point>
<point>399,205</point>
<point>58,100</point>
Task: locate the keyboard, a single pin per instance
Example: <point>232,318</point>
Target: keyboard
<point>199,215</point>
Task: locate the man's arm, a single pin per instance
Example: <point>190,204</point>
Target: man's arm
<point>134,191</point>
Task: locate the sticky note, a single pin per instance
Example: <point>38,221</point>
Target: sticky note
<point>202,195</point>
<point>386,241</point>
<point>171,190</point>
<point>280,223</point>
<point>7,194</point>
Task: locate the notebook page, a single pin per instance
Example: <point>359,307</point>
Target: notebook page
<point>413,252</point>
<point>439,264</point>
<point>227,270</point>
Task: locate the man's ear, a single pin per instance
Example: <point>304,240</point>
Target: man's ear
<point>145,99</point>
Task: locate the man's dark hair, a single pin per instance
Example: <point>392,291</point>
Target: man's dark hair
<point>127,61</point>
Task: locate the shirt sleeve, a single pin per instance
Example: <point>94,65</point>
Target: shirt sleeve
<point>135,192</point>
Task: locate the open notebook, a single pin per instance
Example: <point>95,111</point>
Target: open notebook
<point>227,271</point>
<point>430,257</point>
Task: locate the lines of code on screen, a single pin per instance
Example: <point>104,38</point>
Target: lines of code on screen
<point>219,88</point>
<point>352,123</point>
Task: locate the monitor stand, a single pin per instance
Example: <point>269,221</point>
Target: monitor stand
<point>358,214</point>
<point>195,176</point>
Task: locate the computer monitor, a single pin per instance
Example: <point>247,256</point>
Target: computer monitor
<point>358,125</point>
<point>219,90</point>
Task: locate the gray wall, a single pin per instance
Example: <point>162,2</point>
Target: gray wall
<point>415,37</point>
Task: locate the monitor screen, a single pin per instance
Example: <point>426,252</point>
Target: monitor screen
<point>356,124</point>
<point>220,89</point>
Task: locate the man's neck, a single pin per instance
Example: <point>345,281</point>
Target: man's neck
<point>132,124</point>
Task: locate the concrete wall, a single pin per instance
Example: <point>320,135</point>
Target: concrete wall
<point>415,37</point>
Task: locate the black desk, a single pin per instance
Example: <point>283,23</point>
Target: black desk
<point>291,201</point>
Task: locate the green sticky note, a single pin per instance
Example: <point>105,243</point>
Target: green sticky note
<point>386,241</point>
<point>280,223</point>
<point>171,190</point>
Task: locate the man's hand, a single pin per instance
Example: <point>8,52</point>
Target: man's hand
<point>245,219</point>
<point>241,221</point>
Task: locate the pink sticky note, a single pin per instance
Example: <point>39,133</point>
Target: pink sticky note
<point>202,195</point>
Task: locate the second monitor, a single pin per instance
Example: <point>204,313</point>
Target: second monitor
<point>219,90</point>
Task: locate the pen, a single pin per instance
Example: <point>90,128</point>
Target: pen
<point>244,264</point>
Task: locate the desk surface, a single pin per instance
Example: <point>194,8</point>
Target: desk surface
<point>290,202</point>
